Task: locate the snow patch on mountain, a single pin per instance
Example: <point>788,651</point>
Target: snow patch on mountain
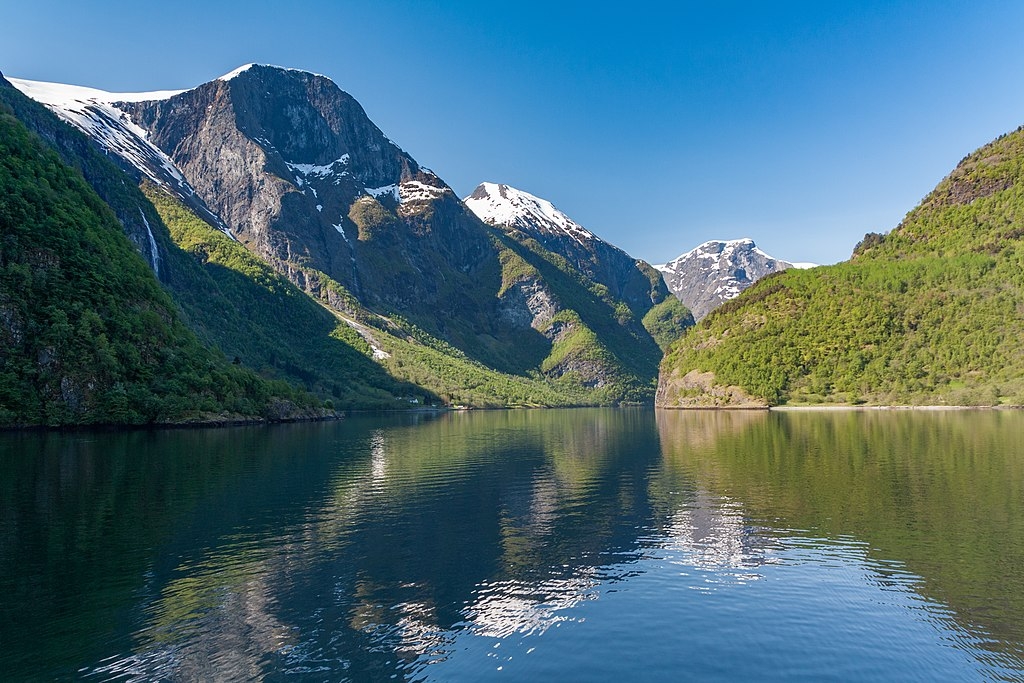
<point>378,192</point>
<point>503,205</point>
<point>96,113</point>
<point>417,191</point>
<point>61,94</point>
<point>322,170</point>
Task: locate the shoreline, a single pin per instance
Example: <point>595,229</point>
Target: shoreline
<point>838,408</point>
<point>829,408</point>
<point>225,421</point>
<point>338,416</point>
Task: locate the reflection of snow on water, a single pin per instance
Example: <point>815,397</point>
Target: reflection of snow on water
<point>543,506</point>
<point>504,608</point>
<point>205,629</point>
<point>414,633</point>
<point>378,456</point>
<point>713,537</point>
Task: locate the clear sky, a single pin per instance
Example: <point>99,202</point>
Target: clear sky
<point>656,125</point>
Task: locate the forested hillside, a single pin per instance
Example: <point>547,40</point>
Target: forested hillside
<point>930,313</point>
<point>87,335</point>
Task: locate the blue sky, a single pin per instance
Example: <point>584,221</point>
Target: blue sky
<point>655,125</point>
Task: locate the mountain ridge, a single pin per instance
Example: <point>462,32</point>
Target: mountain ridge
<point>633,281</point>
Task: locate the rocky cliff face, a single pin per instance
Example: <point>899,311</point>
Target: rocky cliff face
<point>299,174</point>
<point>628,279</point>
<point>717,271</point>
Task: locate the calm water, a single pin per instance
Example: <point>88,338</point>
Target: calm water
<point>527,545</point>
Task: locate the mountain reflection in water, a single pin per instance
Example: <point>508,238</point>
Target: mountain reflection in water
<point>565,544</point>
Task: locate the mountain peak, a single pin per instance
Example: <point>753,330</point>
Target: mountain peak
<point>503,205</point>
<point>527,215</point>
<point>231,75</point>
<point>236,72</point>
<point>716,271</point>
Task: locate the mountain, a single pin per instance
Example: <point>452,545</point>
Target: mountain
<point>87,335</point>
<point>718,270</point>
<point>288,166</point>
<point>519,212</point>
<point>632,281</point>
<point>929,313</point>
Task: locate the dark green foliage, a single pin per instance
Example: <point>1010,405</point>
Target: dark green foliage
<point>667,321</point>
<point>931,313</point>
<point>871,239</point>
<point>371,218</point>
<point>86,333</point>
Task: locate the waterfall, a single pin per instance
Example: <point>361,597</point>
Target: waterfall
<point>154,255</point>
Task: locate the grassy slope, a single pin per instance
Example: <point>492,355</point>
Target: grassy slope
<point>929,314</point>
<point>605,332</point>
<point>238,303</point>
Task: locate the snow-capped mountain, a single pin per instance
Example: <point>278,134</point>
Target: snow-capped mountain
<point>717,271</point>
<point>629,279</point>
<point>276,157</point>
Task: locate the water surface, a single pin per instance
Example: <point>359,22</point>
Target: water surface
<point>521,545</point>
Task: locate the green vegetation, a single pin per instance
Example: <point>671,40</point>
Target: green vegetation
<point>667,321</point>
<point>87,336</point>
<point>928,314</point>
<point>371,218</point>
